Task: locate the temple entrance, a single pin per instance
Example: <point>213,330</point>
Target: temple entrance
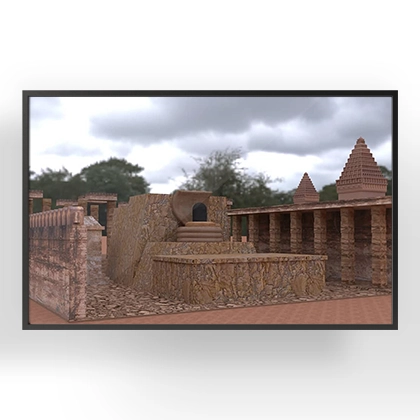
<point>199,213</point>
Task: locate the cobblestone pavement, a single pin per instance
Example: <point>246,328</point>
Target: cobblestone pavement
<point>117,301</point>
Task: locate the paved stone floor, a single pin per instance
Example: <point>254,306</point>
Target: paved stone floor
<point>361,310</point>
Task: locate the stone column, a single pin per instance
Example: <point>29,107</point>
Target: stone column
<point>320,232</point>
<point>295,232</point>
<point>274,232</point>
<point>379,248</point>
<point>110,207</point>
<point>253,231</point>
<point>236,228</point>
<point>84,204</point>
<point>347,245</point>
<point>31,206</point>
<point>46,204</point>
<point>94,211</point>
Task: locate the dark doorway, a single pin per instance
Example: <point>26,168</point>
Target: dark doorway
<point>199,213</point>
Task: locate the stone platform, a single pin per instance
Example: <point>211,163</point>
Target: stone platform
<point>201,279</point>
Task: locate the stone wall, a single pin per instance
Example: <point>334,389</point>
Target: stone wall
<point>201,279</point>
<point>143,270</point>
<point>58,261</point>
<point>149,218</point>
<point>95,274</point>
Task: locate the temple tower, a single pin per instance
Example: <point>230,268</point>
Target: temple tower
<point>361,176</point>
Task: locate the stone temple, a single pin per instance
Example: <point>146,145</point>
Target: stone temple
<point>192,246</point>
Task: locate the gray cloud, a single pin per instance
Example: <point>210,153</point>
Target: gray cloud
<point>41,108</point>
<point>303,125</point>
<point>172,118</point>
<point>65,149</point>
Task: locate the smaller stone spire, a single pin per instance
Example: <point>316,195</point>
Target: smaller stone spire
<point>306,192</point>
<point>361,176</point>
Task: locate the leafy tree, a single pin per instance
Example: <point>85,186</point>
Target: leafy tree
<point>222,174</point>
<point>115,176</point>
<point>387,173</point>
<point>56,184</point>
<point>328,193</point>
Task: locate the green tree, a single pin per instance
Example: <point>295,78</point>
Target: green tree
<point>115,176</point>
<point>387,173</point>
<point>222,174</point>
<point>328,193</point>
<point>56,184</point>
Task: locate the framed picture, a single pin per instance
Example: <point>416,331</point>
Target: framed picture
<point>210,209</point>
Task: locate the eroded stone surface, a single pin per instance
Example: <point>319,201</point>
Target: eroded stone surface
<point>214,278</point>
<point>117,301</point>
<point>149,218</point>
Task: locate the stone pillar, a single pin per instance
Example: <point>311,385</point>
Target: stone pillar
<point>110,207</point>
<point>253,231</point>
<point>295,232</point>
<point>46,204</point>
<point>31,206</point>
<point>84,204</point>
<point>236,228</point>
<point>379,247</point>
<point>274,232</point>
<point>347,245</point>
<point>320,232</point>
<point>94,211</point>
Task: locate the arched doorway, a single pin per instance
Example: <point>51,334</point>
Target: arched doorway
<point>199,212</point>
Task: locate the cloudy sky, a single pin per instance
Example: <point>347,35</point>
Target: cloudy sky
<point>282,137</point>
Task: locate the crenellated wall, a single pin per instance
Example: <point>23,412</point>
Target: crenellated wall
<point>58,261</point>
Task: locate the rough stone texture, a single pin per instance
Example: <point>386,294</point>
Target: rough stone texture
<point>199,232</point>
<point>237,228</point>
<point>117,301</point>
<point>253,229</point>
<point>263,244</point>
<point>296,232</point>
<point>216,212</point>
<point>361,176</point>
<point>320,232</point>
<point>149,218</point>
<point>362,245</point>
<point>275,232</point>
<point>305,192</point>
<point>95,273</point>
<point>98,197</point>
<point>347,245</point>
<point>36,194</point>
<point>46,204</point>
<point>58,261</point>
<point>308,233</point>
<point>379,248</point>
<point>389,243</point>
<point>333,245</point>
<point>64,202</point>
<point>284,232</point>
<point>143,270</point>
<point>183,202</point>
<point>94,211</point>
<point>211,278</point>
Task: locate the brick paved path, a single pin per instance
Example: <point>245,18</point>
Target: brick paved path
<point>367,310</point>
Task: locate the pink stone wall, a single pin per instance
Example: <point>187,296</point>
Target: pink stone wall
<point>57,261</point>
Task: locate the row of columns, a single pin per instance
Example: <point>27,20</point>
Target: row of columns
<point>347,241</point>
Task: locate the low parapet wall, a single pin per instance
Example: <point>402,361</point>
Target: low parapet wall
<point>58,261</point>
<point>201,279</point>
